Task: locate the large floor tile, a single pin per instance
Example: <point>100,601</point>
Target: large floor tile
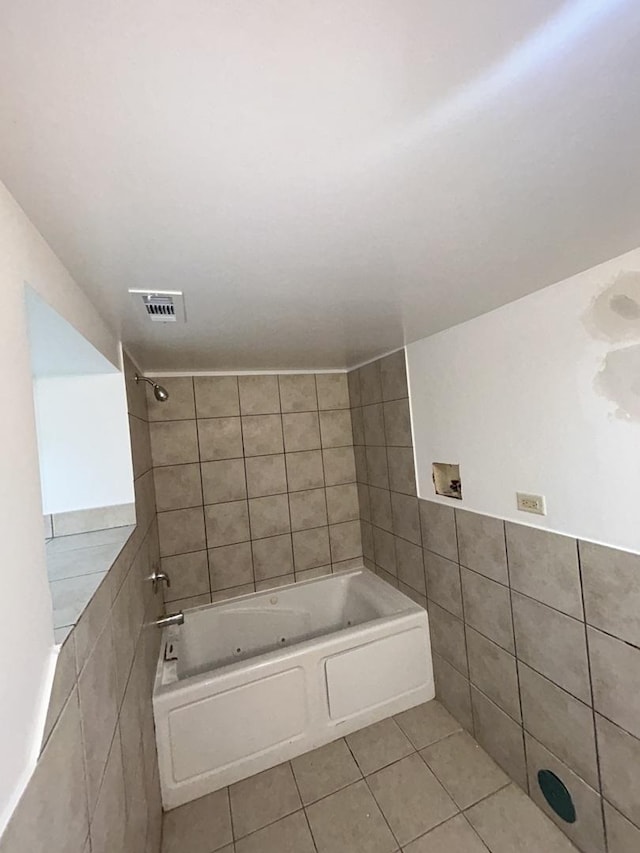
<point>464,768</point>
<point>263,799</point>
<point>454,836</point>
<point>350,822</point>
<point>509,822</point>
<point>427,723</point>
<point>289,835</point>
<point>411,798</point>
<point>201,826</point>
<point>379,745</point>
<point>324,770</point>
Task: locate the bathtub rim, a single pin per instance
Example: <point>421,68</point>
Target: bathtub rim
<point>163,686</point>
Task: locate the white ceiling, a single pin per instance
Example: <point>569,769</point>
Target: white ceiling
<point>324,180</point>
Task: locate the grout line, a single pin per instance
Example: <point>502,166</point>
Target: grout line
<point>593,703</point>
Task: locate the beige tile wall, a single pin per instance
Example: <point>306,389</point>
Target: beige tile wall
<point>255,482</point>
<point>95,787</point>
<point>535,636</point>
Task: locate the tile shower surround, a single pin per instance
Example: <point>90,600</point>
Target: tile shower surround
<point>255,482</point>
<point>95,788</point>
<point>535,636</point>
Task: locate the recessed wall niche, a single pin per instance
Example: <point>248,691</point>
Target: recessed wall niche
<point>446,480</point>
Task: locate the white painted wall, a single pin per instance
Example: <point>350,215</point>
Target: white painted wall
<point>515,396</point>
<point>26,604</point>
<point>83,442</point>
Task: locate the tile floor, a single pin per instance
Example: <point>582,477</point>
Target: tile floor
<point>414,783</point>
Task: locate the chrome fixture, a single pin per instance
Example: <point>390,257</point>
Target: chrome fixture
<point>170,619</point>
<point>161,394</point>
<point>157,578</point>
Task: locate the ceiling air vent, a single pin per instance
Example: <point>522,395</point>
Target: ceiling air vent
<point>161,306</point>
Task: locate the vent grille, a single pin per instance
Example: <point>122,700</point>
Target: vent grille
<point>160,306</point>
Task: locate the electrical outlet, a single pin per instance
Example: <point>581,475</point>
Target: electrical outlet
<point>531,503</point>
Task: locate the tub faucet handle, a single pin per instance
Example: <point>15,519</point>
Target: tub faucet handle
<point>157,578</point>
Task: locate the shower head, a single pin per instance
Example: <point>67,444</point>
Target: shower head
<point>161,394</point>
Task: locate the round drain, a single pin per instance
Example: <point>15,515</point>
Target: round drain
<point>557,795</point>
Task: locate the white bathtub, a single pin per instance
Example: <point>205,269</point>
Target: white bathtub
<point>248,683</point>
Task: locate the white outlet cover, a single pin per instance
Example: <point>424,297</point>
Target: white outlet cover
<point>531,503</point>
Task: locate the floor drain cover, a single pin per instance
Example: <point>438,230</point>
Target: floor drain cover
<point>557,795</point>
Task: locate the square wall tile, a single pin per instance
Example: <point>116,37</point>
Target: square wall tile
<point>311,548</point>
<point>380,506</point>
<point>342,503</point>
<point>224,481</point>
<point>357,426</point>
<point>335,428</point>
<point>230,566</point>
<point>377,467</point>
<point>500,736</point>
<point>619,754</point>
<point>269,516</point>
<point>401,469</point>
<point>447,637</point>
<point>587,832</point>
<point>487,608</point>
<point>393,376</point>
<point>611,590</point>
<point>373,425</point>
<point>410,566</point>
<point>272,556</point>
<point>262,435</point>
<point>333,391</point>
<point>360,456</point>
<point>266,475</point>
<point>173,442</point>
<point>553,644</point>
<point>180,405</point>
<point>216,396</point>
<point>615,670</point>
<point>298,392</point>
<point>189,574</point>
<point>622,836</point>
<point>406,517</point>
<point>259,395</point>
<point>544,566</point>
<point>227,523</point>
<point>181,530</point>
<point>439,529</point>
<point>308,509</point>
<point>370,383</point>
<point>304,470</point>
<point>397,424</point>
<point>345,541</point>
<point>560,722</point>
<point>177,487</point>
<point>443,582</point>
<point>453,691</point>
<point>494,671</point>
<point>384,550</point>
<point>481,543</point>
<point>301,431</point>
<point>353,381</point>
<point>275,583</point>
<point>339,465</point>
<point>220,438</point>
